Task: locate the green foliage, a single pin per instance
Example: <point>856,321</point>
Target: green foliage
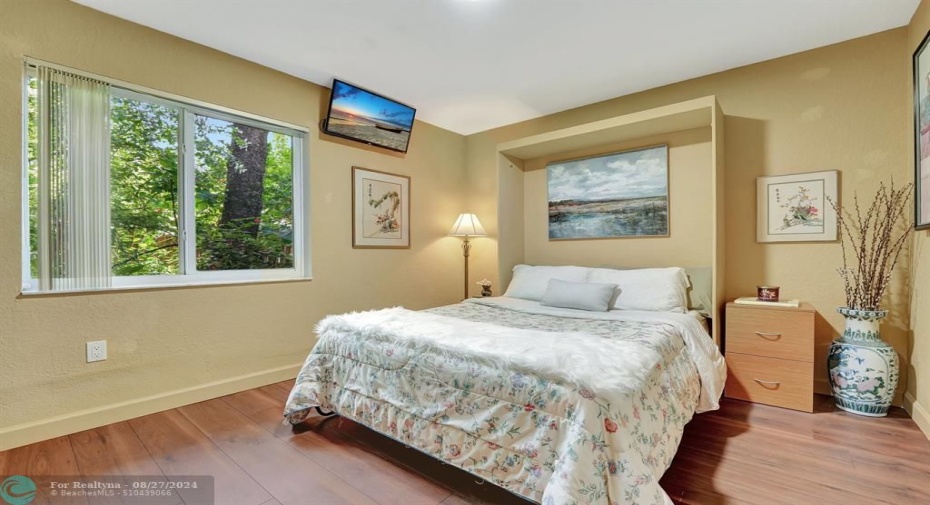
<point>32,154</point>
<point>232,245</point>
<point>144,186</point>
<point>145,206</point>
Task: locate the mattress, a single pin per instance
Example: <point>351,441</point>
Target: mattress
<point>559,406</point>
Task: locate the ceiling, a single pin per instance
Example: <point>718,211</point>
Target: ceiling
<point>472,65</point>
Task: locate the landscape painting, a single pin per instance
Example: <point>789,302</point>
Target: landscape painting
<point>615,195</point>
<point>361,115</point>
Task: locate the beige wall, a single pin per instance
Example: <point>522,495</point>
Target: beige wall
<point>690,218</point>
<point>918,376</point>
<point>842,107</point>
<point>166,341</point>
<point>845,107</point>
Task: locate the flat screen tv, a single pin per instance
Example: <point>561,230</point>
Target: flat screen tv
<point>360,115</point>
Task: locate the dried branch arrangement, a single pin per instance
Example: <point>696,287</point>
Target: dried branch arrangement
<point>875,241</point>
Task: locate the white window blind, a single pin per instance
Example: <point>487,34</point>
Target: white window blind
<point>73,181</point>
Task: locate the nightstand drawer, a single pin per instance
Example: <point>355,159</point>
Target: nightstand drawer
<point>773,381</point>
<point>785,334</point>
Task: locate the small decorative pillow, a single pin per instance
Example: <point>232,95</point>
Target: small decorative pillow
<point>531,282</point>
<point>657,289</point>
<point>579,295</point>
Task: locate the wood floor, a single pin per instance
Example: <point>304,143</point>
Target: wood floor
<point>742,454</point>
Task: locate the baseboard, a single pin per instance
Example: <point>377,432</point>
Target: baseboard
<point>36,431</point>
<point>918,413</point>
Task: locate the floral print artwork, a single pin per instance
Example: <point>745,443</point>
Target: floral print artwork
<point>386,220</point>
<point>796,207</point>
<point>536,433</point>
<point>799,207</point>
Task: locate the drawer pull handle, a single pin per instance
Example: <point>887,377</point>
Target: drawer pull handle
<point>769,336</point>
<point>766,384</point>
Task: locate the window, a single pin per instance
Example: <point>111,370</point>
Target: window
<point>125,188</point>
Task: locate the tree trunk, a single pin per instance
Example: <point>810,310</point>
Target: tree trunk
<point>245,177</point>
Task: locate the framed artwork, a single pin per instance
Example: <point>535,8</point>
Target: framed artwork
<point>380,210</point>
<point>922,135</point>
<point>618,195</point>
<point>794,208</point>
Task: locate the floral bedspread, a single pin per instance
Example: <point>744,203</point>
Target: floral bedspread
<point>560,410</point>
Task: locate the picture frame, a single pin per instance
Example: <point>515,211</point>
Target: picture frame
<point>380,210</point>
<point>921,69</point>
<point>794,208</point>
<point>622,194</point>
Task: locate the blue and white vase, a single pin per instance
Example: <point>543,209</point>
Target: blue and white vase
<point>863,368</point>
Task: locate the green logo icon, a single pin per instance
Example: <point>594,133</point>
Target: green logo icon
<point>18,490</point>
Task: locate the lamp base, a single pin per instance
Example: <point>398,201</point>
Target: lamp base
<point>466,249</point>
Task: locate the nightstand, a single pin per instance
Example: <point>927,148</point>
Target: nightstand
<point>770,355</point>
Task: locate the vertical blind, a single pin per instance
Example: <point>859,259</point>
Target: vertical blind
<point>73,183</point>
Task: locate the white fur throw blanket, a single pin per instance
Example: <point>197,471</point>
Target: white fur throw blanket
<point>606,366</point>
<point>576,357</point>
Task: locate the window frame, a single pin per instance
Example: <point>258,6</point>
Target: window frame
<point>187,248</point>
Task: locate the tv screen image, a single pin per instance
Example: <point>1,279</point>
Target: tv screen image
<point>358,114</point>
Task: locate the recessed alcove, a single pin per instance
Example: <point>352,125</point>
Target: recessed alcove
<point>693,130</point>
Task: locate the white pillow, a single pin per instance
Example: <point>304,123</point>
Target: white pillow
<point>530,283</point>
<point>656,289</point>
<point>579,295</point>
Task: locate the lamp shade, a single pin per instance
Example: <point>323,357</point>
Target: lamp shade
<point>467,225</point>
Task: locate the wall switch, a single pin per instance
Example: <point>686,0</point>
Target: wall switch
<point>96,351</point>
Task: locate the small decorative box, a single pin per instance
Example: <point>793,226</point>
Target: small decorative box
<point>767,293</point>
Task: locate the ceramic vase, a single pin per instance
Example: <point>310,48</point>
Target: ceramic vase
<point>863,368</point>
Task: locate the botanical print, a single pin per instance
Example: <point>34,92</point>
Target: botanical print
<point>796,207</point>
<point>615,195</point>
<point>382,216</point>
<point>380,209</point>
<point>533,432</point>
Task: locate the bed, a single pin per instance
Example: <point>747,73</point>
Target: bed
<point>558,405</point>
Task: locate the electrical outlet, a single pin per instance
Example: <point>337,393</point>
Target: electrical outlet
<point>96,351</point>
